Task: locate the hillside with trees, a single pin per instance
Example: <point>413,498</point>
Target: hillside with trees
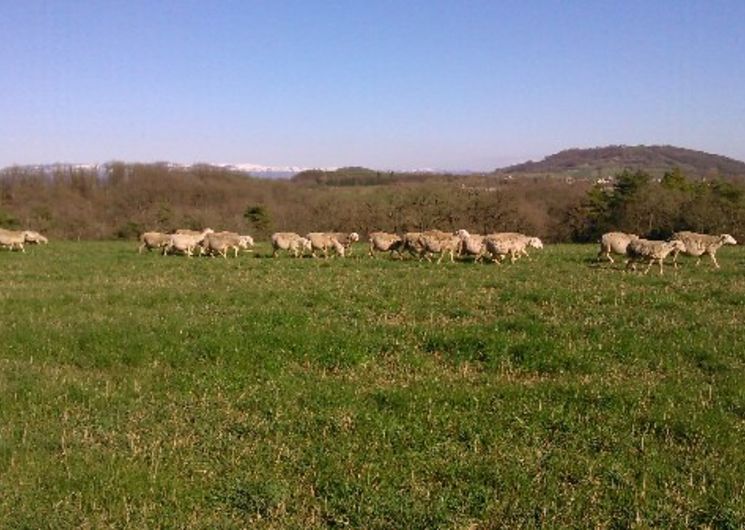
<point>360,176</point>
<point>120,200</point>
<point>656,160</point>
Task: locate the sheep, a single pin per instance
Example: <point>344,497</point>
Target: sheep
<point>650,251</point>
<point>522,249</point>
<point>291,242</point>
<point>614,242</point>
<point>512,244</point>
<point>324,241</point>
<point>499,248</point>
<point>35,238</point>
<point>232,240</point>
<point>442,243</point>
<point>195,233</point>
<point>471,244</point>
<point>12,239</point>
<point>219,243</point>
<point>345,239</point>
<point>416,242</point>
<point>151,240</point>
<point>189,232</point>
<point>186,243</point>
<point>385,242</point>
<point>699,244</point>
<point>247,242</point>
<point>412,242</point>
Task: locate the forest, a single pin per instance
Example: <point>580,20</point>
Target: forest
<point>119,201</point>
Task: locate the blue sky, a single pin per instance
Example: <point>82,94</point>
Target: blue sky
<point>383,84</point>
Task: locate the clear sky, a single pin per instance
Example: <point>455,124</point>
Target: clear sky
<point>385,84</point>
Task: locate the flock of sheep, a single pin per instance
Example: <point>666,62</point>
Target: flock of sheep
<point>422,245</point>
<point>188,242</point>
<point>16,239</point>
<point>428,244</point>
<point>638,250</point>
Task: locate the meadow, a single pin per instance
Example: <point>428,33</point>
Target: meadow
<point>141,391</point>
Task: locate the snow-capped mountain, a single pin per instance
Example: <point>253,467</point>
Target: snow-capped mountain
<point>253,169</point>
<point>256,170</point>
<point>270,171</point>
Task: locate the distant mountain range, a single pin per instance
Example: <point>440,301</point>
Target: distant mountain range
<point>253,169</point>
<point>270,171</point>
<point>605,161</point>
<point>597,162</point>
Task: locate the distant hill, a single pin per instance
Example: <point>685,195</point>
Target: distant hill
<point>361,176</point>
<point>655,159</point>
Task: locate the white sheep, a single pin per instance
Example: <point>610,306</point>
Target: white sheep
<point>12,239</point>
<point>512,244</point>
<point>247,242</point>
<point>616,243</point>
<point>324,241</point>
<point>186,243</point>
<point>220,243</point>
<point>442,243</point>
<point>384,242</point>
<point>151,240</point>
<point>699,244</point>
<point>290,241</point>
<point>639,250</point>
<point>471,244</point>
<point>35,238</point>
<point>346,239</point>
<point>528,241</point>
<point>190,232</point>
<point>413,243</point>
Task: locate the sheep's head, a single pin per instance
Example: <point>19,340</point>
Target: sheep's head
<point>208,231</point>
<point>728,239</point>
<point>247,241</point>
<point>535,242</point>
<point>305,244</point>
<point>462,233</point>
<point>677,245</point>
<point>354,236</point>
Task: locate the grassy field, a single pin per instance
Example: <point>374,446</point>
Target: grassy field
<point>138,391</point>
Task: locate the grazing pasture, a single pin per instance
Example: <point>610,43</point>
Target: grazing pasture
<point>146,391</point>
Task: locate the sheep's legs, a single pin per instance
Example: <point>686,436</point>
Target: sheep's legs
<point>714,259</point>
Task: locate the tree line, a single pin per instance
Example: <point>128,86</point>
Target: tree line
<point>122,200</point>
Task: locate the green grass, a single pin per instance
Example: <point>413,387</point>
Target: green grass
<point>141,391</point>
